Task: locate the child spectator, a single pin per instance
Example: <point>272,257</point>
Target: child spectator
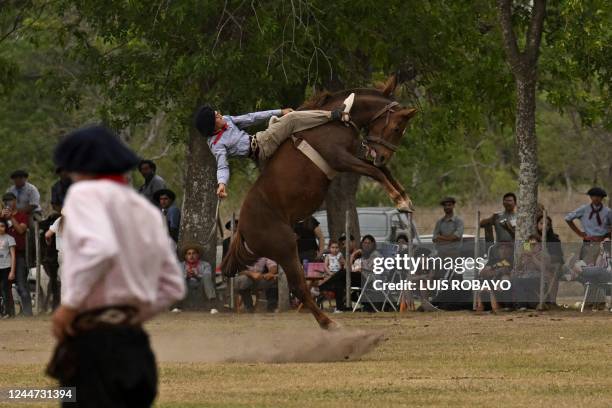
<point>197,273</point>
<point>7,269</point>
<point>498,267</point>
<point>334,261</point>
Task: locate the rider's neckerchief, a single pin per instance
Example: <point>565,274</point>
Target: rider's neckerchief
<point>117,178</point>
<point>219,134</point>
<point>596,213</point>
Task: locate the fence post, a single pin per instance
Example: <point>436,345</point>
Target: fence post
<point>38,260</point>
<point>476,254</point>
<point>347,263</point>
<point>542,263</point>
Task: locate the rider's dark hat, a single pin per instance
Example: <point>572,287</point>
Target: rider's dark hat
<point>597,191</point>
<point>164,191</point>
<point>94,150</point>
<point>205,120</point>
<point>19,173</point>
<point>447,200</point>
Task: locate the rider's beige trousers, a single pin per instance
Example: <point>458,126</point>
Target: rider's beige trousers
<point>281,128</point>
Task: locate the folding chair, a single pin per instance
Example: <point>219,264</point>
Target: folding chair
<point>386,250</point>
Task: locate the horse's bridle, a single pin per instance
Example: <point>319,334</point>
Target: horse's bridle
<point>369,137</point>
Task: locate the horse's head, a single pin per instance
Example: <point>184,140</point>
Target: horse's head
<point>383,120</point>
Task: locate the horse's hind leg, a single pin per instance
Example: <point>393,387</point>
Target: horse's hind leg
<point>295,275</point>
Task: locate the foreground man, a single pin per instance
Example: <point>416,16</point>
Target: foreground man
<point>118,271</point>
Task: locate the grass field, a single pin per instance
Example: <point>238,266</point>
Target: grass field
<point>447,359</point>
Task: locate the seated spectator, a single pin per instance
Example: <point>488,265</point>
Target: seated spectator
<point>197,274</point>
<point>553,246</point>
<point>598,274</point>
<point>498,267</point>
<point>18,225</point>
<point>165,200</point>
<point>526,277</point>
<point>342,244</point>
<point>262,275</point>
<point>59,190</point>
<point>363,258</point>
<point>28,197</point>
<point>334,261</point>
<point>152,182</point>
<point>448,232</point>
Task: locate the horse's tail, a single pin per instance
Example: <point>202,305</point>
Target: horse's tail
<point>238,257</point>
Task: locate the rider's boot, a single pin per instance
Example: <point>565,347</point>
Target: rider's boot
<point>343,113</point>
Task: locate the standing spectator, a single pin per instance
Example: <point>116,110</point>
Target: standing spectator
<point>7,269</point>
<point>28,197</point>
<point>59,190</point>
<point>165,199</point>
<point>595,220</point>
<point>503,222</point>
<point>448,232</point>
<point>310,239</point>
<point>119,271</point>
<point>53,257</point>
<point>152,182</point>
<point>262,275</point>
<point>197,273</point>
<point>18,225</point>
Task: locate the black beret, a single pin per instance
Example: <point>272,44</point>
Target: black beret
<point>205,120</point>
<point>447,200</point>
<point>150,163</point>
<point>597,191</point>
<point>164,191</point>
<point>19,173</point>
<point>95,150</point>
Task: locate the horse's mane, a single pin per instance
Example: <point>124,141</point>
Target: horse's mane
<point>323,97</point>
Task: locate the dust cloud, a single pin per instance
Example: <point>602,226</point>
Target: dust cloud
<point>272,346</point>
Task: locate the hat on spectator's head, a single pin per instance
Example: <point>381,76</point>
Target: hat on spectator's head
<point>19,173</point>
<point>204,120</point>
<point>228,225</point>
<point>448,200</point>
<point>94,150</point>
<point>190,245</point>
<point>150,163</point>
<point>164,191</point>
<point>9,197</point>
<point>598,192</point>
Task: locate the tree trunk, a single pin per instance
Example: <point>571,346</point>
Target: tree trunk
<point>528,156</point>
<point>341,197</point>
<point>198,221</point>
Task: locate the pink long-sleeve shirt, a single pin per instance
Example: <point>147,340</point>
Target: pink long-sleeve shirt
<point>117,251</point>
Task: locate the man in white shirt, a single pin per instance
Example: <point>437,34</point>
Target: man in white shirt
<point>118,271</point>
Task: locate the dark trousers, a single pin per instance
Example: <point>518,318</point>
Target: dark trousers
<point>5,292</point>
<point>110,366</point>
<point>53,288</point>
<point>21,278</point>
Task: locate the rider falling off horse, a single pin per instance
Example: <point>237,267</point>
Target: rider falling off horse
<point>227,138</point>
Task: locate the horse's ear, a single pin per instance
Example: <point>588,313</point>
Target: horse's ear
<point>390,85</point>
<point>408,112</point>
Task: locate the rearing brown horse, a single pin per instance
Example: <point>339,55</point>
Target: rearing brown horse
<point>291,187</point>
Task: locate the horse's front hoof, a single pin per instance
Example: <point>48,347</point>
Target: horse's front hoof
<point>329,325</point>
<point>406,207</point>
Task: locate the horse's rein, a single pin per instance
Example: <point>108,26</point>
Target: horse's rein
<point>388,109</point>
